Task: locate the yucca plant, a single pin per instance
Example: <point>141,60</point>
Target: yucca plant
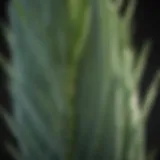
<point>75,81</point>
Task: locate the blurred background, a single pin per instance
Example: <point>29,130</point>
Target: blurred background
<point>146,25</point>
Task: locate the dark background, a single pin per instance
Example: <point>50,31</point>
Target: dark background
<point>146,25</point>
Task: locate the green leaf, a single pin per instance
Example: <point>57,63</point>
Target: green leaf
<point>73,84</point>
<point>141,63</point>
<point>150,96</point>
